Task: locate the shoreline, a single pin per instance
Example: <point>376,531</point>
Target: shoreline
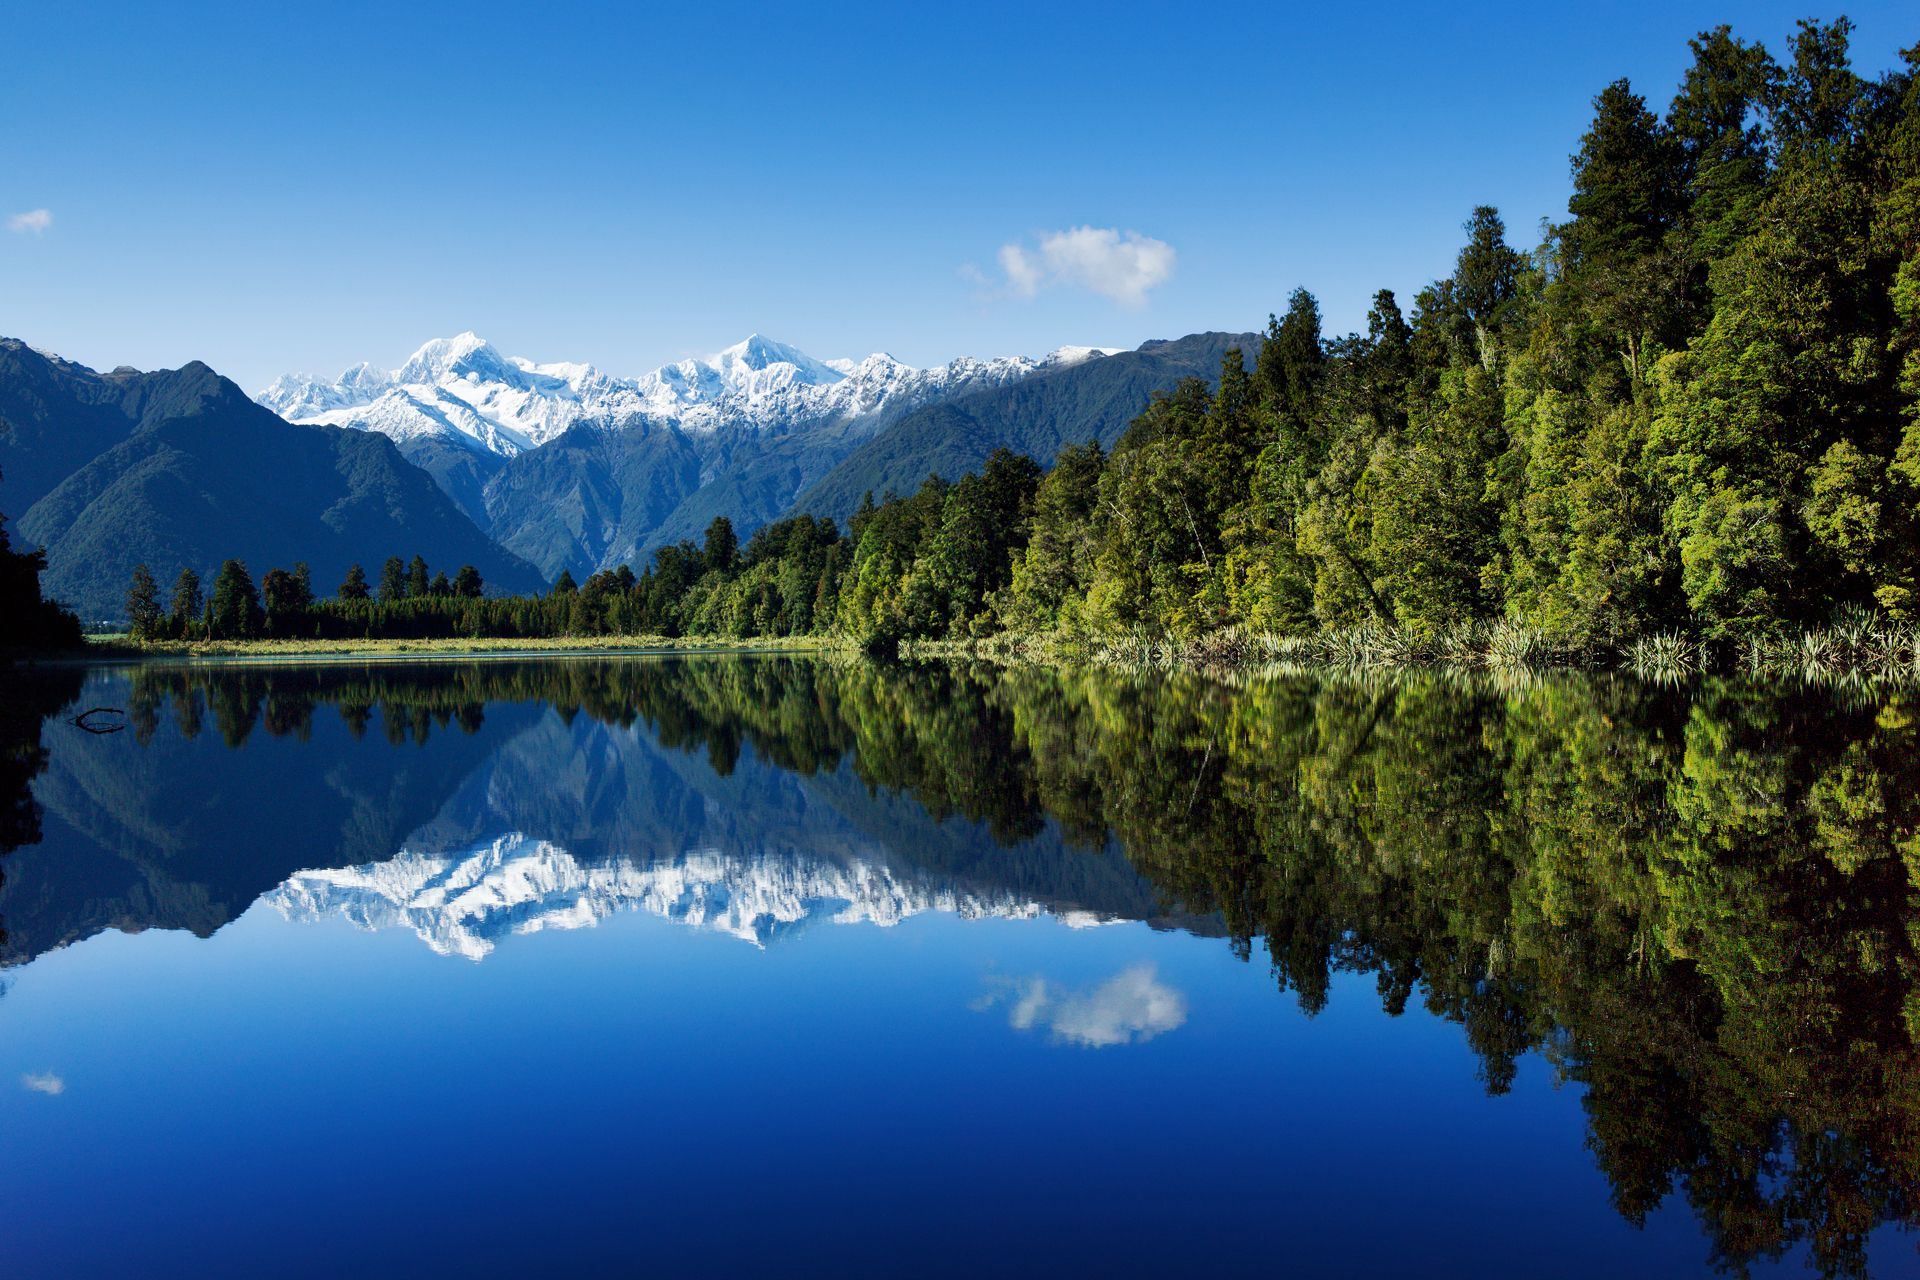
<point>228,652</point>
<point>1854,651</point>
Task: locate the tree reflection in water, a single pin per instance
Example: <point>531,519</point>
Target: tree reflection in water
<point>1697,904</point>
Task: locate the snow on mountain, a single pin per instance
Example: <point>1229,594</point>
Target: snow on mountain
<point>463,389</point>
<point>464,902</point>
<point>1060,357</point>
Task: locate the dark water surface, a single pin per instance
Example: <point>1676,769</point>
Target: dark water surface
<point>746,965</point>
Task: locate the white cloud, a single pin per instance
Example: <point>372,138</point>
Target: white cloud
<point>33,220</point>
<point>45,1082</point>
<point>1130,1007</point>
<point>1122,265</point>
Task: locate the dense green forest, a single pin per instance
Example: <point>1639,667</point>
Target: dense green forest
<point>1693,407</point>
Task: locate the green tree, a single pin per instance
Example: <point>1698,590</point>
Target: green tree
<point>722,547</point>
<point>234,608</point>
<point>143,604</point>
<point>393,580</point>
<point>355,585</point>
<point>187,604</point>
<point>467,584</point>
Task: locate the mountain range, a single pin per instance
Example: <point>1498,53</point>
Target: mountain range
<point>513,819</point>
<point>576,469</point>
<point>180,468</point>
<point>465,456</point>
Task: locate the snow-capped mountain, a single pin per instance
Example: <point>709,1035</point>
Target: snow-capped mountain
<point>464,902</point>
<point>463,390</point>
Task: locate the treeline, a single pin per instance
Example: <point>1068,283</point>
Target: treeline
<point>27,620</point>
<point>283,604</point>
<point>783,582</point>
<point>1693,407</point>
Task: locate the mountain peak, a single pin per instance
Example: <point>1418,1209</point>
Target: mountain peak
<point>463,353</point>
<point>759,352</point>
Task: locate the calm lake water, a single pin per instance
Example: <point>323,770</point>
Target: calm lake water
<point>746,965</point>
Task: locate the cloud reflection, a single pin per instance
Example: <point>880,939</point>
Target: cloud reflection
<point>1128,1008</point>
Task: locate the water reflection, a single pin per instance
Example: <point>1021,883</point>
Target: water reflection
<point>1698,905</point>
<point>1130,1007</point>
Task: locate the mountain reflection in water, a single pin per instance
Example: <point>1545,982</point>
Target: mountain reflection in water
<point>1696,905</point>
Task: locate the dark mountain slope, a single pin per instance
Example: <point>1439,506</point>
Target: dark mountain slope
<point>591,497</point>
<point>55,416</point>
<point>758,483</point>
<point>462,473</point>
<point>1038,416</point>
<point>200,473</point>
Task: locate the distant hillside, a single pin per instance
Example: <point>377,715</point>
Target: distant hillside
<point>1038,416</point>
<point>590,497</point>
<point>56,416</point>
<point>180,467</point>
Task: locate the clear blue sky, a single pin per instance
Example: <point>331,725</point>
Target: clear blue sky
<point>269,190</point>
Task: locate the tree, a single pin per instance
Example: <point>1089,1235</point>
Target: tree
<point>1291,365</point>
<point>467,583</point>
<point>440,588</point>
<point>722,547</point>
<point>355,585</point>
<point>143,604</point>
<point>279,593</point>
<point>234,608</point>
<point>393,580</point>
<point>417,585</point>
<point>1486,275</point>
<point>187,602</point>
<point>1626,178</point>
<point>564,585</point>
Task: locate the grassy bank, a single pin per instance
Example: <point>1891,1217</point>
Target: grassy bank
<point>122,646</point>
<point>1864,650</point>
<point>1869,651</point>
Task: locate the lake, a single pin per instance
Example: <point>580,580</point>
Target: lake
<point>747,964</point>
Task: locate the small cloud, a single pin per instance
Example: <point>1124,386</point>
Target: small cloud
<point>45,1082</point>
<point>1131,1007</point>
<point>33,221</point>
<point>1122,265</point>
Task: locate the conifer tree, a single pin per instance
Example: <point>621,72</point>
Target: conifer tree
<point>143,604</point>
<point>234,607</point>
<point>186,603</point>
<point>393,580</point>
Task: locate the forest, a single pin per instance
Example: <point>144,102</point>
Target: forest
<point>1692,409</point>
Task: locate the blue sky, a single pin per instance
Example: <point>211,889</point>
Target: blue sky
<point>269,190</point>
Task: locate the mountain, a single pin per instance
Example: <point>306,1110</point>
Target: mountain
<point>1066,403</point>
<point>574,468</point>
<point>592,497</point>
<point>464,902</point>
<point>396,801</point>
<point>462,389</point>
<point>179,467</point>
<point>56,416</point>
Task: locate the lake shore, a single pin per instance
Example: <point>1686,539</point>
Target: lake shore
<point>1847,652</point>
<point>121,648</point>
